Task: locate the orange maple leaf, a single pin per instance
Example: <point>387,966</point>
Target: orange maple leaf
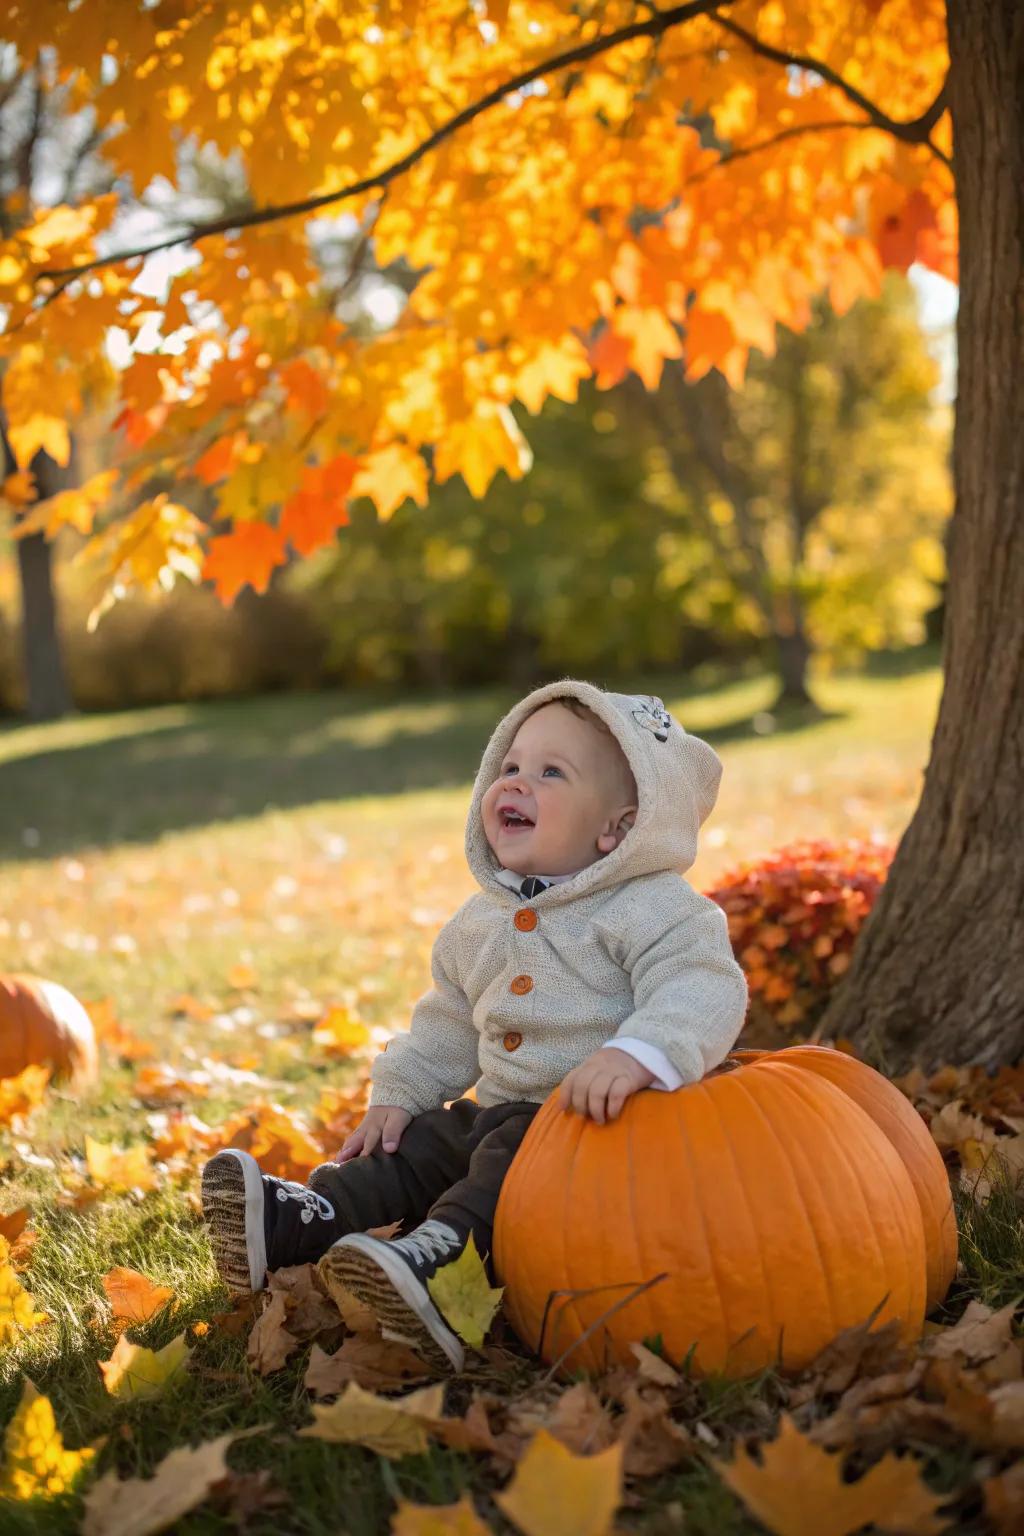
<point>247,554</point>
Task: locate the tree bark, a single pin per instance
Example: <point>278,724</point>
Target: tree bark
<point>45,681</point>
<point>938,973</point>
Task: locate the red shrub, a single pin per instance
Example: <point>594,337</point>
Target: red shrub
<point>793,920</point>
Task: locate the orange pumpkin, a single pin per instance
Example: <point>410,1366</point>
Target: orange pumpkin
<point>773,1207</point>
<point>893,1113</point>
<point>42,1023</point>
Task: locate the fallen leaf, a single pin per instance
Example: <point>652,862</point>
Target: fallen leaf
<point>21,1094</point>
<point>340,1033</point>
<point>368,1360</point>
<point>392,1427</point>
<point>577,1418</point>
<point>119,1167</point>
<point>553,1491</point>
<point>35,1461</point>
<point>277,1138</point>
<point>798,1490</point>
<point>241,977</point>
<point>462,1293</point>
<point>355,1314</point>
<point>978,1335</point>
<point>134,1372</point>
<point>17,1306</point>
<point>140,1506</point>
<point>459,1519</point>
<point>1004,1500</point>
<point>134,1299</point>
<point>270,1344</point>
<point>651,1441</point>
<point>952,1125</point>
<point>654,1368</point>
<point>861,1350</point>
<point>156,1085</point>
<point>14,1223</point>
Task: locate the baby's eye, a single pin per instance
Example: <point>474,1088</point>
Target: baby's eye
<point>552,769</point>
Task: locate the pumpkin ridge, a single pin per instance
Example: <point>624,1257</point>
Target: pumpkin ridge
<point>633,1225</point>
<point>788,1158</point>
<point>680,1122</point>
<point>794,1083</point>
<point>565,1267</point>
<point>877,1150</point>
<point>766,1286</point>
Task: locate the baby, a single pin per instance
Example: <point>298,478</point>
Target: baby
<point>584,963</point>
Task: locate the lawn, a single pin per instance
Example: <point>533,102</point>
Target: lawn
<point>215,878</point>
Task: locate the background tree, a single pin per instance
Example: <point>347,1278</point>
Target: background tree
<point>506,163</point>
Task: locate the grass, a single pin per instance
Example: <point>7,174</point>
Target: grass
<point>318,840</point>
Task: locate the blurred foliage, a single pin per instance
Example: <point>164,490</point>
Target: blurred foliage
<point>619,552</point>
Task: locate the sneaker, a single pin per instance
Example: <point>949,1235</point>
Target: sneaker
<point>390,1276</point>
<point>257,1222</point>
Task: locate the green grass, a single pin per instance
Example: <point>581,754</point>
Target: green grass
<point>319,840</point>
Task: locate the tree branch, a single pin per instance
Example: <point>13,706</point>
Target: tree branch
<point>916,131</point>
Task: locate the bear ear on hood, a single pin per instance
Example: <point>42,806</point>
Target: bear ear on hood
<point>677,777</point>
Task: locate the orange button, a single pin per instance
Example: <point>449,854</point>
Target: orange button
<point>525,919</point>
<point>521,984</point>
<point>513,1040</point>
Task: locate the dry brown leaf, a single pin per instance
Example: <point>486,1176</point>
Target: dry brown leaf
<point>1004,1500</point>
<point>355,1314</point>
<point>459,1519</point>
<point>392,1427</point>
<point>311,1312</point>
<point>952,1125</point>
<point>978,1335</point>
<point>473,1432</point>
<point>860,1351</point>
<point>141,1506</point>
<point>270,1344</point>
<point>133,1298</point>
<point>367,1359</point>
<point>651,1442</point>
<point>798,1490</point>
<point>653,1368</point>
<point>14,1223</point>
<point>553,1492</point>
<point>385,1233</point>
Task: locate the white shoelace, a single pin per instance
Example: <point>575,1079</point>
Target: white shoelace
<point>312,1203</point>
<point>433,1240</point>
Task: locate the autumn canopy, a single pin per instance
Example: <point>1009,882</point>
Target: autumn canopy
<point>566,191</point>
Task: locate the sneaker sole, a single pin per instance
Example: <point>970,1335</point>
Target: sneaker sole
<point>382,1281</point>
<point>232,1193</point>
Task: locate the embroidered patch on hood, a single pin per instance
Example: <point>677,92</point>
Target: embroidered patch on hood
<point>677,777</point>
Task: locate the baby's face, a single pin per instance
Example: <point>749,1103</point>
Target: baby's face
<point>572,787</point>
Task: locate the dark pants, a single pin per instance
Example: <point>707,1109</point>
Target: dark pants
<point>450,1165</point>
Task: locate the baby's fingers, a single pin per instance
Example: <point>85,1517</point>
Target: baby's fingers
<point>394,1124</point>
<point>597,1098</point>
<point>371,1136</point>
<point>620,1091</point>
<point>350,1147</point>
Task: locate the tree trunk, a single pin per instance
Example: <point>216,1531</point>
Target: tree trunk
<point>46,684</point>
<point>794,653</point>
<point>938,973</point>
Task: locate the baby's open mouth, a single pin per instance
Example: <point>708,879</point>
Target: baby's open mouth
<point>512,821</point>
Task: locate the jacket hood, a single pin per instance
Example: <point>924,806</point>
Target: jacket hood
<point>677,777</point>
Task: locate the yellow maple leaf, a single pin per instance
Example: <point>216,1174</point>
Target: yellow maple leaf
<point>134,1372</point>
<point>17,1306</point>
<point>459,1519</point>
<point>477,448</point>
<point>75,508</point>
<point>35,1461</point>
<point>119,1167</point>
<point>798,1490</point>
<point>554,1491</point>
<point>340,1033</point>
<point>19,1095</point>
<point>40,430</point>
<point>389,476</point>
<point>552,370</point>
<point>391,1426</point>
<point>461,1291</point>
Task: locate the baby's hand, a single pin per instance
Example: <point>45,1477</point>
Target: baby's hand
<point>383,1123</point>
<point>600,1086</point>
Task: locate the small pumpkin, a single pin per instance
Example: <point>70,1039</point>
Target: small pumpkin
<point>893,1113</point>
<point>773,1206</point>
<point>41,1023</point>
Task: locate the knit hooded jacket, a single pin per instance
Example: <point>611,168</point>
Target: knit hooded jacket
<point>526,990</point>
